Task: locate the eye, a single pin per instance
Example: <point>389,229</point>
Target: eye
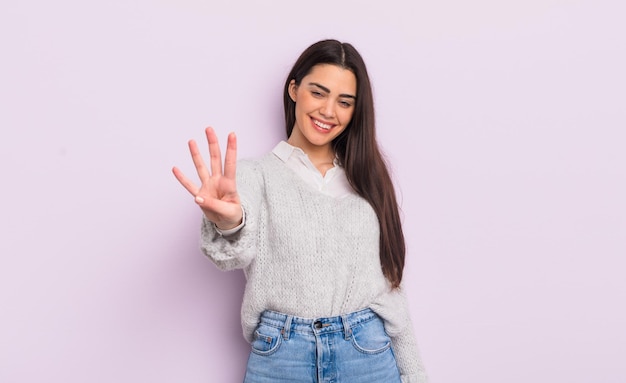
<point>345,104</point>
<point>317,94</point>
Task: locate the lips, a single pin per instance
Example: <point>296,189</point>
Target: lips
<point>321,125</point>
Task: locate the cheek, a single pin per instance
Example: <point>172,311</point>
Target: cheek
<point>298,110</point>
<point>303,105</point>
<point>345,116</point>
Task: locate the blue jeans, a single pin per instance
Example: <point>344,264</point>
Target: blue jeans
<point>343,349</point>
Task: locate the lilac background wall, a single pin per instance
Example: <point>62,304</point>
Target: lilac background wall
<point>504,122</point>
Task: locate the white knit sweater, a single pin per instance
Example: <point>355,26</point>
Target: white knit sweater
<point>309,255</point>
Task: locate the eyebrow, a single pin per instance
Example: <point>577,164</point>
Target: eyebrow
<point>325,89</point>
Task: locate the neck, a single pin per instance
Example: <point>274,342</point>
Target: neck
<point>317,153</point>
<point>320,155</point>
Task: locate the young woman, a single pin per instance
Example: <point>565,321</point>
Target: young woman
<point>315,226</point>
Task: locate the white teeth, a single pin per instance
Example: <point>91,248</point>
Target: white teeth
<point>322,125</point>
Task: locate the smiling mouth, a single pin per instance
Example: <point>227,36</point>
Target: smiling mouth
<point>321,125</point>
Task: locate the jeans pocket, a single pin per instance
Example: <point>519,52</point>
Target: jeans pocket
<point>267,340</point>
<point>370,337</point>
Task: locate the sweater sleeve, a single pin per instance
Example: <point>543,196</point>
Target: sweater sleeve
<point>236,251</point>
<point>393,308</point>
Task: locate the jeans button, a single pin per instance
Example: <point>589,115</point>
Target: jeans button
<point>317,324</point>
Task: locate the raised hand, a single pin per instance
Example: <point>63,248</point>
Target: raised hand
<point>217,195</point>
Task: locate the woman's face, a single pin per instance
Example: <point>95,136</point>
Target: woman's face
<point>325,102</point>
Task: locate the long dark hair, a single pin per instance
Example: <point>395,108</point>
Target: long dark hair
<point>357,149</point>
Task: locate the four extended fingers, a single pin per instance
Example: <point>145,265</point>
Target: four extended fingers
<point>216,161</point>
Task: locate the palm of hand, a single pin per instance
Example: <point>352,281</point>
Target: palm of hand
<point>217,195</point>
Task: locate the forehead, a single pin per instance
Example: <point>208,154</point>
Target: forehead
<point>333,77</point>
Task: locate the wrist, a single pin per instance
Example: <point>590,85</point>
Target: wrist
<point>231,229</point>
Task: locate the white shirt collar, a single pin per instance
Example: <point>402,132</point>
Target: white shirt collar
<point>284,150</point>
<point>334,183</point>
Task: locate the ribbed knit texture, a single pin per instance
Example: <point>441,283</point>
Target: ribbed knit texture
<point>309,255</point>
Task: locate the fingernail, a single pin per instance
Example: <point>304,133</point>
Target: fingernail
<point>199,199</point>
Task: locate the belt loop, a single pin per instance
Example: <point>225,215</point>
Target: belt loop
<point>287,327</point>
<point>347,330</point>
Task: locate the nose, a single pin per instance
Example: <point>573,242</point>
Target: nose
<point>328,109</point>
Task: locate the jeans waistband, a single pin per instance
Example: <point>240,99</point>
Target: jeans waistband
<point>290,323</point>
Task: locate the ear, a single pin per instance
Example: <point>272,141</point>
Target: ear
<point>293,89</point>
